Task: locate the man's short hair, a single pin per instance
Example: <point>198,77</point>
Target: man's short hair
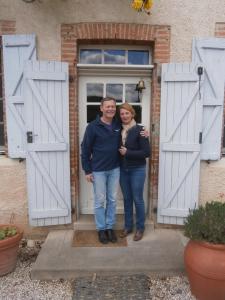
<point>107,99</point>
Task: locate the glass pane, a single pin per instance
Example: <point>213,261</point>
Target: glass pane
<point>1,110</point>
<point>136,57</point>
<point>131,95</point>
<point>90,56</point>
<point>138,111</point>
<point>92,112</point>
<point>0,84</point>
<point>94,92</point>
<point>1,135</point>
<point>115,91</point>
<point>114,56</point>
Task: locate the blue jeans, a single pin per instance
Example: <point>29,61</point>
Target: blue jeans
<point>132,186</point>
<point>105,185</point>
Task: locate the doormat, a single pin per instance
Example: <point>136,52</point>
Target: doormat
<point>89,238</point>
<point>132,287</point>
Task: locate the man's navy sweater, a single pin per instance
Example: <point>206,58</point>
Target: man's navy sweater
<point>100,145</point>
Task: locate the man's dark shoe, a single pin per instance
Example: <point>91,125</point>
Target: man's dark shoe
<point>111,235</point>
<point>102,237</point>
<point>125,233</point>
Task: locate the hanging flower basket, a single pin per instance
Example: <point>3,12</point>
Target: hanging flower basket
<point>142,5</point>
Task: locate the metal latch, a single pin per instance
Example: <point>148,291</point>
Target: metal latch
<point>200,137</point>
<point>29,137</point>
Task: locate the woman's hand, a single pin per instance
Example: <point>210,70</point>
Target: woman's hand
<point>123,150</point>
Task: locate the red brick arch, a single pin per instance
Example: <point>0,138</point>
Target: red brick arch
<point>7,27</point>
<point>142,34</point>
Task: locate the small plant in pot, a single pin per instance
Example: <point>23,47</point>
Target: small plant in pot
<point>10,237</point>
<point>204,255</point>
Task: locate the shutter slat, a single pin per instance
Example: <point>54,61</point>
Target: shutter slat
<point>58,76</point>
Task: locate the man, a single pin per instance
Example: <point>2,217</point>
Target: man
<point>100,162</point>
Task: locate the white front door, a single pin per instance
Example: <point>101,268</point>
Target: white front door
<point>91,91</point>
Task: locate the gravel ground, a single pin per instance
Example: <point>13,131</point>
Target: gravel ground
<point>18,285</point>
<point>170,288</point>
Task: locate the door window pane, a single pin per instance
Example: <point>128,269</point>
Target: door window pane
<point>131,95</point>
<point>1,110</point>
<point>1,95</point>
<point>115,91</point>
<point>114,56</point>
<point>1,135</point>
<point>90,56</point>
<point>94,92</point>
<point>138,111</point>
<point>92,112</point>
<point>138,57</point>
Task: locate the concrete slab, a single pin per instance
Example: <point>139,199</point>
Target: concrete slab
<point>159,252</point>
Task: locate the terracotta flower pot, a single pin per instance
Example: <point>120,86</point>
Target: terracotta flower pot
<point>8,251</point>
<point>205,266</point>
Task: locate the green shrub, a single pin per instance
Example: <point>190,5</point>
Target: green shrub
<point>207,223</point>
<point>6,232</point>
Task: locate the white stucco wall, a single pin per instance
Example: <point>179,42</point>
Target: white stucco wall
<point>187,19</point>
<point>13,203</point>
<point>212,181</point>
<point>43,17</point>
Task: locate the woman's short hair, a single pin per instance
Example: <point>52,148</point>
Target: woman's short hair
<point>128,107</point>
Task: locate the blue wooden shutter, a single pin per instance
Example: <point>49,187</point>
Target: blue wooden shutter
<point>48,152</point>
<point>179,155</point>
<point>16,50</point>
<point>210,52</point>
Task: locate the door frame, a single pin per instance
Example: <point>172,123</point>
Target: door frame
<point>113,78</point>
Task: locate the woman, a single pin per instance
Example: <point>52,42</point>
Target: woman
<point>134,149</point>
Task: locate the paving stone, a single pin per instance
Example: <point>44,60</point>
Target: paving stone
<point>133,287</point>
<point>160,251</point>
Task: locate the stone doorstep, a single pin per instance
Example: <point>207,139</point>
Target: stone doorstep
<point>159,252</point>
<point>86,222</point>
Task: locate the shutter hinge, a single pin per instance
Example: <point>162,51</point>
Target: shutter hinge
<point>200,72</point>
<point>200,137</point>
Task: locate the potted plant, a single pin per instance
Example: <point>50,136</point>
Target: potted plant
<point>10,236</point>
<point>204,255</point>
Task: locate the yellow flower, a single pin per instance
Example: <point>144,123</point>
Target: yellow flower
<point>137,4</point>
<point>148,4</point>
